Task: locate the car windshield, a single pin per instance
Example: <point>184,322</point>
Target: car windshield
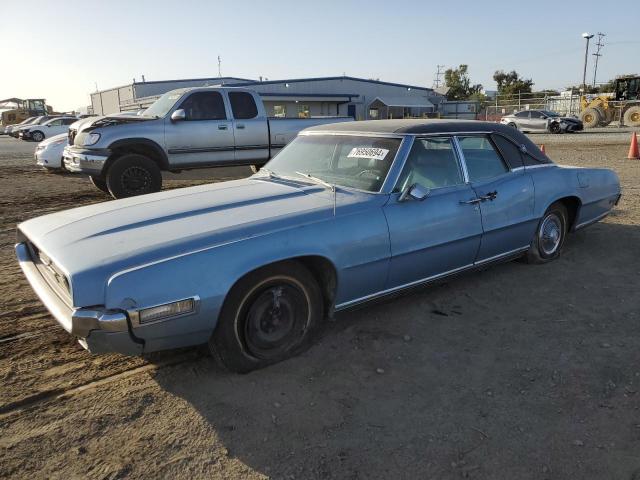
<point>360,162</point>
<point>28,120</point>
<point>550,114</point>
<point>161,106</point>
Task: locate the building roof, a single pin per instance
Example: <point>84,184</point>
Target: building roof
<point>344,77</point>
<point>404,101</point>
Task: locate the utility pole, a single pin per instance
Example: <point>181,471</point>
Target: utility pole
<point>587,37</point>
<point>219,67</point>
<point>597,55</point>
<point>436,81</point>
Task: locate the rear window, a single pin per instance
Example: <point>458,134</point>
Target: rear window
<point>510,151</point>
<point>243,105</point>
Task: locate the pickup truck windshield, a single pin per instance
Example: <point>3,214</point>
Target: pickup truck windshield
<point>344,160</point>
<point>161,107</point>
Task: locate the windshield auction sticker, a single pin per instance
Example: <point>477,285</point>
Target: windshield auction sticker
<point>368,152</point>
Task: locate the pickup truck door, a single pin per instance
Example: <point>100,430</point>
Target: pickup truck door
<point>205,136</point>
<point>441,233</point>
<point>505,197</point>
<point>250,129</point>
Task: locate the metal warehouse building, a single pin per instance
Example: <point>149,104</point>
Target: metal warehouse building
<point>360,98</point>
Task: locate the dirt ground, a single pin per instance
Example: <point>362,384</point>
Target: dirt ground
<point>515,372</point>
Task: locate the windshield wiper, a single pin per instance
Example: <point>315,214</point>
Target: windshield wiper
<point>317,180</point>
<point>323,183</point>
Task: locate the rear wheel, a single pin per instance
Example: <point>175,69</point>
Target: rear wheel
<point>590,117</point>
<point>99,183</point>
<point>632,116</point>
<point>550,235</point>
<point>269,315</point>
<point>132,175</point>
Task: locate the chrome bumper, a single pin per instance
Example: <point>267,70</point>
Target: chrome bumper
<point>98,330</point>
<point>83,161</point>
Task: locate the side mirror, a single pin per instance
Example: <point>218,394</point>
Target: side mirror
<point>178,115</point>
<point>415,192</point>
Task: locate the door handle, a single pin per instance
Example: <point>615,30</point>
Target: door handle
<point>472,201</point>
<point>222,127</point>
<point>490,196</point>
<point>240,127</point>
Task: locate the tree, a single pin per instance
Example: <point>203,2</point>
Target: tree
<point>460,88</point>
<point>511,83</point>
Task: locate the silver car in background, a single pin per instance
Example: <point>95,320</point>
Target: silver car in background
<point>542,121</point>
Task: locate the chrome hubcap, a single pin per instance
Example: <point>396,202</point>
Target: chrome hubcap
<point>550,234</point>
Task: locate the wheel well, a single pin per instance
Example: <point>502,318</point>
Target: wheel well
<point>572,205</point>
<point>147,150</point>
<point>325,274</point>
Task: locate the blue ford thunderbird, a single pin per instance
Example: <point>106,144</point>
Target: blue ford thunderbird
<point>344,214</point>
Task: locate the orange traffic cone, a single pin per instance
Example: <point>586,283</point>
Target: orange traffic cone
<point>634,153</point>
<point>542,149</point>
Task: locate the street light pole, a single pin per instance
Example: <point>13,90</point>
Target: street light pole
<point>587,36</point>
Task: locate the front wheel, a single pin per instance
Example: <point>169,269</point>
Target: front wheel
<point>550,235</point>
<point>99,183</point>
<point>132,175</point>
<point>271,314</point>
<point>37,136</point>
<point>555,128</point>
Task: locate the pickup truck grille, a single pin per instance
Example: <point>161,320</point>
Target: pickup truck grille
<point>52,274</point>
<point>72,135</point>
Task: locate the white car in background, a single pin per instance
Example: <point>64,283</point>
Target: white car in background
<point>48,129</point>
<point>49,152</point>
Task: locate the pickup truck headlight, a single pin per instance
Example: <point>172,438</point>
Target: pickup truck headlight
<point>91,139</point>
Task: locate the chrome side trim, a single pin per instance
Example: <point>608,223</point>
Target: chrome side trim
<point>426,280</point>
<point>502,255</point>
<point>544,165</point>
<point>589,222</point>
<point>517,169</point>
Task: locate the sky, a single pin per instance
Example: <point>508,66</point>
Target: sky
<point>60,50</point>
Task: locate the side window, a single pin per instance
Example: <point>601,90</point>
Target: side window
<point>510,151</point>
<point>56,123</point>
<point>243,105</point>
<point>204,106</point>
<point>536,114</point>
<point>69,121</point>
<point>483,162</point>
<point>431,163</point>
<point>522,114</point>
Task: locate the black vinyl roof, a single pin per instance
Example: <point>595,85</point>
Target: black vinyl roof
<point>434,126</point>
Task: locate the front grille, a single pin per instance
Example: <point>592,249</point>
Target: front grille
<point>72,135</point>
<point>52,274</point>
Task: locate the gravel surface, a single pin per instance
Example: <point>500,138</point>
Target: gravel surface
<point>517,371</point>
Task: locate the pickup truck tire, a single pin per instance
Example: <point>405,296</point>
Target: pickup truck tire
<point>269,315</point>
<point>133,174</point>
<point>100,184</point>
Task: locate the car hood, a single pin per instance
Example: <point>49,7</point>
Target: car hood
<point>54,139</point>
<point>92,243</point>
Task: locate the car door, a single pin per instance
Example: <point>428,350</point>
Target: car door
<point>54,127</point>
<point>437,235</point>
<point>504,194</point>
<point>205,135</point>
<point>249,129</point>
<point>522,120</point>
<point>537,121</point>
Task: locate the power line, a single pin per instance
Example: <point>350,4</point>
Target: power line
<point>597,55</point>
<point>219,67</point>
<point>436,81</point>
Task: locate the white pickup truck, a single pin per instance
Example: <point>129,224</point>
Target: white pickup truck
<point>184,129</point>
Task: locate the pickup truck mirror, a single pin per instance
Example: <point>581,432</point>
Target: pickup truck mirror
<point>415,191</point>
<point>178,115</point>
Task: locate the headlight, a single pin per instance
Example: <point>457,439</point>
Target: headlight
<point>91,139</point>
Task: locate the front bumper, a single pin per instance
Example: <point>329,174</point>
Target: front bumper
<point>84,160</point>
<point>98,330</point>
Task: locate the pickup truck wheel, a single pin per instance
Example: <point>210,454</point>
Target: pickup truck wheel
<point>271,314</point>
<point>550,235</point>
<point>99,183</point>
<point>132,175</point>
